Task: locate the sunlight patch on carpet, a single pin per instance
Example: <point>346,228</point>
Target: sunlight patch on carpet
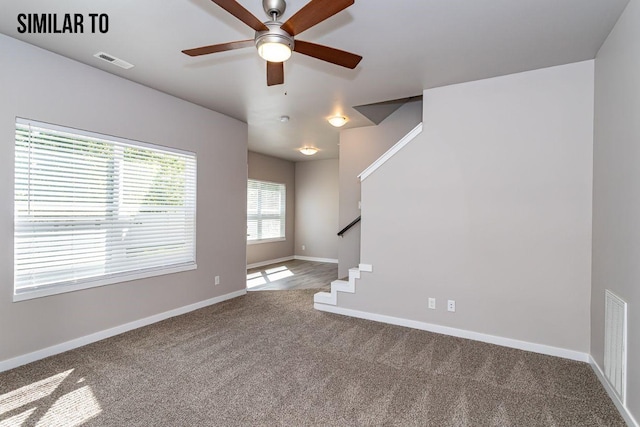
<point>72,409</point>
<point>17,420</point>
<point>32,392</point>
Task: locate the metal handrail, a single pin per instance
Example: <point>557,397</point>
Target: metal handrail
<point>351,224</point>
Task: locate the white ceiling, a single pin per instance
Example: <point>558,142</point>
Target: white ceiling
<point>407,45</point>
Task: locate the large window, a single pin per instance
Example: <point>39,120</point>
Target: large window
<point>266,205</point>
<point>92,209</point>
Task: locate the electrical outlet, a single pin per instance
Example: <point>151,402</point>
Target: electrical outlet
<point>304,248</point>
<point>216,280</point>
<point>432,303</point>
<point>451,305</point>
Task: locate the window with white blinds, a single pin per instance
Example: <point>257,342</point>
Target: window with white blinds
<point>92,209</point>
<point>266,206</point>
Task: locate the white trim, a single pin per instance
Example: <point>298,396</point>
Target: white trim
<point>338,286</point>
<point>391,152</point>
<point>324,298</point>
<point>316,259</point>
<point>461,333</point>
<point>269,262</point>
<point>107,333</point>
<point>365,267</point>
<point>103,281</point>
<point>624,411</point>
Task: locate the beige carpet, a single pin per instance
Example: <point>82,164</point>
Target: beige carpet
<point>269,359</point>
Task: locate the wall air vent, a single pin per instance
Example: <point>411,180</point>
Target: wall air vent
<point>615,343</point>
<point>113,60</point>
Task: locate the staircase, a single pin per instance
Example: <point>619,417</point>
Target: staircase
<point>331,298</point>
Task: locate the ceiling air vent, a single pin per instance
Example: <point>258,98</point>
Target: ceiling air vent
<point>112,59</point>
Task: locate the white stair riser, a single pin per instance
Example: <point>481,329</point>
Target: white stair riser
<point>331,298</point>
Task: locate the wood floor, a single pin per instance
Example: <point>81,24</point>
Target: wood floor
<point>294,274</point>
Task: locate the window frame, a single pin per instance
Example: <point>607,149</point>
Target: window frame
<point>282,216</point>
<point>64,286</point>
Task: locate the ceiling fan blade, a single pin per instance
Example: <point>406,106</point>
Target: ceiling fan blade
<point>275,73</point>
<point>234,8</point>
<point>205,50</point>
<point>329,54</point>
<point>313,13</point>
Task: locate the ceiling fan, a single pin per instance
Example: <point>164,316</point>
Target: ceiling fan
<point>275,40</point>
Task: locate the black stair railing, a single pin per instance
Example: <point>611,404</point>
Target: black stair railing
<point>351,224</point>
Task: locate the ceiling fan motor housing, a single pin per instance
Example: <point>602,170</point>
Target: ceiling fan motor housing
<point>275,34</point>
<point>274,7</point>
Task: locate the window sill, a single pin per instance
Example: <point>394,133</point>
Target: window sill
<point>87,284</point>
<point>258,242</point>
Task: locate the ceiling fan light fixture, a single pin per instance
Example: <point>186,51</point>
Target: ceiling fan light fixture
<point>274,40</point>
<point>274,45</point>
<point>274,51</point>
<point>308,151</point>
<point>338,121</point>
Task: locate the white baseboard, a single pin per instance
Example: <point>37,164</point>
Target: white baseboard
<point>269,262</point>
<point>624,411</point>
<point>316,259</point>
<point>107,333</point>
<point>461,333</point>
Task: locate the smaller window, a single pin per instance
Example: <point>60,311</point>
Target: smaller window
<point>266,206</point>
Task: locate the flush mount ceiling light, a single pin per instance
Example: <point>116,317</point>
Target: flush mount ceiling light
<point>308,151</point>
<point>338,121</point>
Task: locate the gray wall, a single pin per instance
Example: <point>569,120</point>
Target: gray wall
<point>359,148</point>
<point>316,222</point>
<point>491,207</point>
<point>616,189</point>
<point>40,85</point>
<point>267,168</point>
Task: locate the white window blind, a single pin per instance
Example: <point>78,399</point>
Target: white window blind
<point>266,206</point>
<point>90,207</point>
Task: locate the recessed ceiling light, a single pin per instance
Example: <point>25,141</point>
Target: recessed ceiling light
<point>338,121</point>
<point>308,151</point>
<point>284,119</point>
